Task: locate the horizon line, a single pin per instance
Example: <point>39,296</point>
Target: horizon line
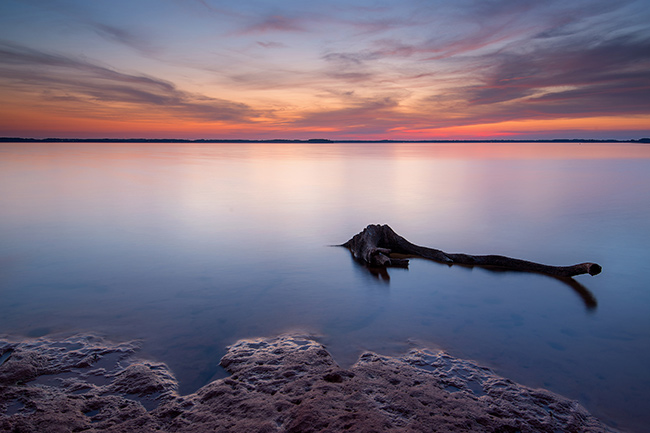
<point>310,140</point>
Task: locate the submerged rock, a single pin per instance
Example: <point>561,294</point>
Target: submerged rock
<point>283,384</point>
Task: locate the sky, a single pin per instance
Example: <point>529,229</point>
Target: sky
<point>348,69</point>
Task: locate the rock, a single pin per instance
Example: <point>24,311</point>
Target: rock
<point>288,383</point>
<point>78,383</point>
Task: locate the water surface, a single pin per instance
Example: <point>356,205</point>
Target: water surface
<point>190,247</point>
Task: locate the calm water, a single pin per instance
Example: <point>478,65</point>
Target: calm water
<point>191,247</point>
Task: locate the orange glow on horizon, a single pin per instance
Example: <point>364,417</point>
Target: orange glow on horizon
<point>514,128</point>
<point>30,117</point>
<point>40,124</point>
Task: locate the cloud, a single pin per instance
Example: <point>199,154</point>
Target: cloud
<point>52,74</point>
<point>271,44</point>
<point>368,67</point>
<point>361,116</point>
<point>473,28</point>
<point>125,37</point>
<point>85,15</point>
<point>578,67</point>
<point>572,78</point>
<point>350,67</point>
<point>350,59</point>
<point>275,23</point>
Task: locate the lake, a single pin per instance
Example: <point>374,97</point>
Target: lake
<point>190,247</point>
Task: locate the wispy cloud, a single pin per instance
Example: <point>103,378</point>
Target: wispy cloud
<point>125,37</point>
<point>350,67</point>
<point>571,79</point>
<point>275,23</point>
<point>271,44</point>
<point>367,67</point>
<point>80,79</point>
<point>360,116</point>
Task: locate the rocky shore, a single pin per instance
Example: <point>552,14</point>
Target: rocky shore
<point>288,383</point>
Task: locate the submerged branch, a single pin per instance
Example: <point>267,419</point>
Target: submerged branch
<point>375,244</point>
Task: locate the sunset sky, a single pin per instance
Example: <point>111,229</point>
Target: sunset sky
<point>348,69</point>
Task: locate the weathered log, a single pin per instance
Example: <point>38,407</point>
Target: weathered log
<point>376,243</point>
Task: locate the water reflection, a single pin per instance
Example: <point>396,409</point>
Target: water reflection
<point>190,247</point>
<point>585,294</point>
<point>381,274</point>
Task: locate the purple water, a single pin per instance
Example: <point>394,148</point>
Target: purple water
<point>190,247</point>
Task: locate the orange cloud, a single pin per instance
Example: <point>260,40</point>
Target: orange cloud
<point>483,70</point>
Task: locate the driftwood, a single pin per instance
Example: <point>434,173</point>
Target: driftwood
<point>377,245</point>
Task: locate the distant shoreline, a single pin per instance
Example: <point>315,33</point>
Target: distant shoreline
<point>308,141</point>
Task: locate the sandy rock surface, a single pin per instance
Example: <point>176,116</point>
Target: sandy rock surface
<point>283,384</point>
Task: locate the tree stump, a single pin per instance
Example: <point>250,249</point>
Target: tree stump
<point>376,243</point>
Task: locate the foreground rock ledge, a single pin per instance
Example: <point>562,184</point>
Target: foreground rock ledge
<point>283,384</point>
